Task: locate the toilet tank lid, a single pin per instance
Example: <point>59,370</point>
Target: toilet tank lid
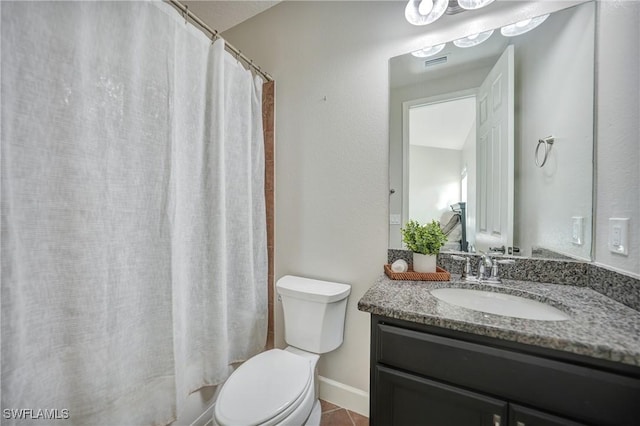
<point>310,289</point>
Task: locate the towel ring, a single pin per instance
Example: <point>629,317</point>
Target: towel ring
<point>548,142</point>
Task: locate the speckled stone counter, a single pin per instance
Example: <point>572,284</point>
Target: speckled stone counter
<point>622,288</point>
<point>599,326</point>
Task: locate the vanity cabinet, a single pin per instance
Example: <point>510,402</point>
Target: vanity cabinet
<point>407,399</point>
<point>426,375</point>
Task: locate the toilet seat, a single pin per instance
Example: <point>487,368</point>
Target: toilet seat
<point>265,389</point>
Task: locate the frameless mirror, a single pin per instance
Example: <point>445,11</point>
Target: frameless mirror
<point>496,140</point>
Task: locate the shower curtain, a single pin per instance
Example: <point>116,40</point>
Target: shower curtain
<point>133,224</point>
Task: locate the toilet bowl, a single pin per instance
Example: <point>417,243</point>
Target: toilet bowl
<point>275,387</point>
<point>279,387</point>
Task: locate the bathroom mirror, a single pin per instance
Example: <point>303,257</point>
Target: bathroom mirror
<point>446,149</point>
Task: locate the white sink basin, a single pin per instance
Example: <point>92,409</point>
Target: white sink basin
<point>499,304</point>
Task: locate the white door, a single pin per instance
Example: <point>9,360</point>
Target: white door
<point>495,156</point>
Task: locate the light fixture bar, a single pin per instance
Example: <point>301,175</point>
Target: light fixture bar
<point>474,4</point>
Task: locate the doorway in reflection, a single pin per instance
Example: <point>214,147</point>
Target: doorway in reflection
<point>441,147</point>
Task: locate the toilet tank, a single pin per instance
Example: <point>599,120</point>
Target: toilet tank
<point>314,312</point>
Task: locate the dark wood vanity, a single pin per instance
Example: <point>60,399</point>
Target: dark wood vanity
<point>429,375</point>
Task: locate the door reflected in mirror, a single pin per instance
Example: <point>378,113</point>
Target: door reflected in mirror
<point>464,128</point>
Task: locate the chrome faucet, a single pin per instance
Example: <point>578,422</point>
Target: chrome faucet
<point>484,268</point>
<point>466,268</point>
<point>493,277</point>
<point>487,271</point>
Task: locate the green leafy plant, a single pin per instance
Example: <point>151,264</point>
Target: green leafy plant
<point>424,239</point>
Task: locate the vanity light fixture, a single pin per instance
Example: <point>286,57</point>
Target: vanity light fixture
<point>428,51</point>
<point>473,4</point>
<point>423,12</point>
<point>473,40</point>
<point>522,26</point>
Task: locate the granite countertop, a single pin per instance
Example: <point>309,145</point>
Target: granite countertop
<point>599,326</point>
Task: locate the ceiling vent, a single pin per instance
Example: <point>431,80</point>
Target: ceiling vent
<point>436,61</point>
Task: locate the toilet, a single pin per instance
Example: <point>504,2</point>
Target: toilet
<point>279,387</point>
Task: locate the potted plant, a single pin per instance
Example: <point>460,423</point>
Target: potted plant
<point>425,242</point>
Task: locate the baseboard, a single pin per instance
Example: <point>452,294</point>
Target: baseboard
<point>344,396</point>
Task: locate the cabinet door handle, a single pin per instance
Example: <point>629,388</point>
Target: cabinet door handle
<point>496,420</point>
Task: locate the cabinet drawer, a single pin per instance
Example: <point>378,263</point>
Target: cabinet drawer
<point>405,399</point>
<point>584,394</point>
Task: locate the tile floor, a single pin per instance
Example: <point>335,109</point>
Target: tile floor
<point>332,415</point>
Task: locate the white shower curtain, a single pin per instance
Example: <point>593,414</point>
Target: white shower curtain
<point>133,225</point>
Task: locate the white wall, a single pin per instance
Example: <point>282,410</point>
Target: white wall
<point>554,91</point>
<point>332,156</point>
<point>434,181</point>
<point>618,130</point>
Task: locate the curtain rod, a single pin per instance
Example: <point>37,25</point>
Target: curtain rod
<point>214,33</point>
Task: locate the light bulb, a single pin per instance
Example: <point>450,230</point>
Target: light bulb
<point>523,23</point>
<point>434,10</point>
<point>428,51</point>
<point>473,40</point>
<point>523,26</point>
<point>425,7</point>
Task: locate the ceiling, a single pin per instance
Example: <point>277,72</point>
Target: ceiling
<point>444,124</point>
<point>224,14</point>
